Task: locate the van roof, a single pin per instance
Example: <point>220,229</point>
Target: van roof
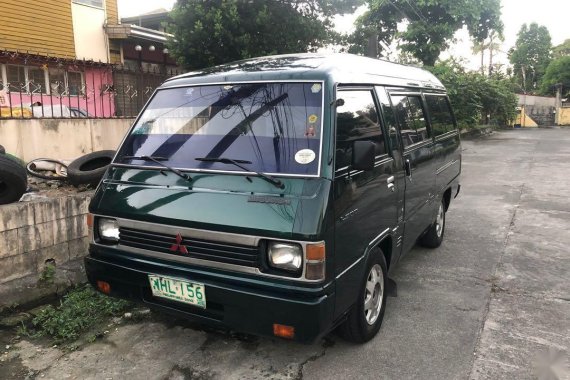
<point>338,68</point>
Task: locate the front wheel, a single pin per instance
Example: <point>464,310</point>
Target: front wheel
<point>365,318</point>
<point>434,234</point>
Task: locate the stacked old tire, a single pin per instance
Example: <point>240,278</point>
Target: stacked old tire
<point>13,178</point>
<point>90,168</point>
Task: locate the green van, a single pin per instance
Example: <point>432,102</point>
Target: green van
<point>275,195</point>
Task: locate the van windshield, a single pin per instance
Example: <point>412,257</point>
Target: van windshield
<point>273,128</point>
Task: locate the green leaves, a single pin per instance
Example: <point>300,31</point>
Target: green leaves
<point>219,31</point>
<point>557,72</point>
<point>81,309</point>
<point>476,98</point>
<point>531,55</point>
<point>431,24</point>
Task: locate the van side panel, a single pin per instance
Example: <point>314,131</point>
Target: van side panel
<point>448,158</point>
<point>365,207</point>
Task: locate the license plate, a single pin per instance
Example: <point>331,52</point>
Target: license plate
<point>178,290</point>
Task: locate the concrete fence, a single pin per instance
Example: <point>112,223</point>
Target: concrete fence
<point>60,138</point>
<point>32,233</point>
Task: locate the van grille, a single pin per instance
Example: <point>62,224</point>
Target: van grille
<point>199,249</point>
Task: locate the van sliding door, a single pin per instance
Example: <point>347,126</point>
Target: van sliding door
<point>418,161</point>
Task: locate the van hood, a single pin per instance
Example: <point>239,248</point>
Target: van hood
<point>212,201</point>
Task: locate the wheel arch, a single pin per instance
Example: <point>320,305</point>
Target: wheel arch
<point>385,245</point>
<point>447,198</point>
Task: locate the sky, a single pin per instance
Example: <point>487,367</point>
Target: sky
<point>554,14</point>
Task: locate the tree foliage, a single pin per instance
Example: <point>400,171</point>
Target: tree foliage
<point>531,55</point>
<point>477,98</point>
<point>211,32</point>
<point>561,50</point>
<point>431,24</point>
<point>557,72</point>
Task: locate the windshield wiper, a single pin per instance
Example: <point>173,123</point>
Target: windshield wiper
<point>158,160</point>
<point>238,163</point>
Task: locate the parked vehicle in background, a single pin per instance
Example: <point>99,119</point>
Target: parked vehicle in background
<point>78,112</point>
<point>275,195</point>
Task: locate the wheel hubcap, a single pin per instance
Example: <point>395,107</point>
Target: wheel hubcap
<point>439,221</point>
<point>373,294</point>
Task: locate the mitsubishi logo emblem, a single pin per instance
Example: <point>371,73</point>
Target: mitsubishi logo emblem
<point>178,247</point>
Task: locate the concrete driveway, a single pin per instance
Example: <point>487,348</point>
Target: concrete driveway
<point>492,302</point>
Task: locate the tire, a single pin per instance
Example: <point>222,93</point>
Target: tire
<point>363,323</point>
<point>89,169</point>
<point>31,170</point>
<point>433,237</point>
<point>13,180</point>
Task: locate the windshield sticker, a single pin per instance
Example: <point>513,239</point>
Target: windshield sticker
<point>316,88</point>
<point>310,132</point>
<point>305,156</point>
<point>313,118</point>
<point>189,91</point>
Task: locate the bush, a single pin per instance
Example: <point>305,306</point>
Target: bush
<point>476,98</point>
<point>80,310</point>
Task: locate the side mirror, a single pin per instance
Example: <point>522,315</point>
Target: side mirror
<point>363,155</point>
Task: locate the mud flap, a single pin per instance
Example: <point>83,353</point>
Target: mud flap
<point>392,288</point>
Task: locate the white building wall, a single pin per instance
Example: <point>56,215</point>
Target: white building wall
<point>89,35</point>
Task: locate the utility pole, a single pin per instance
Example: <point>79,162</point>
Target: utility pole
<point>372,50</point>
<point>558,103</point>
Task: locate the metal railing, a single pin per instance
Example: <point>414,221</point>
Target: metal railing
<point>95,91</point>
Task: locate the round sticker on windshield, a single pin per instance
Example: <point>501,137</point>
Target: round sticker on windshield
<point>316,88</point>
<point>305,156</point>
<point>313,118</point>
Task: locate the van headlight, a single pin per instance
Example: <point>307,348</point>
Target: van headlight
<point>108,230</point>
<point>285,256</point>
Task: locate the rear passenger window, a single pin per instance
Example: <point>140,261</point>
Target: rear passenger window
<point>412,120</point>
<point>440,114</point>
<point>356,120</point>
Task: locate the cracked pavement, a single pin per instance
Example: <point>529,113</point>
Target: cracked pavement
<point>493,302</point>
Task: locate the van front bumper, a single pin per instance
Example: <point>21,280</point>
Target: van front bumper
<point>239,304</point>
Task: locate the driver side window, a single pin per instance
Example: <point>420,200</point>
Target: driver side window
<point>356,120</point>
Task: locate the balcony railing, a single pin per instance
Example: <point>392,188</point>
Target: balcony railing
<point>98,92</point>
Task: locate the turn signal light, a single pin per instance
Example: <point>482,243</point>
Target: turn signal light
<point>90,220</point>
<point>283,331</point>
<point>104,287</point>
<point>315,266</point>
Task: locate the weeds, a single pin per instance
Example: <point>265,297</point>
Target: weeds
<point>48,273</point>
<point>81,310</point>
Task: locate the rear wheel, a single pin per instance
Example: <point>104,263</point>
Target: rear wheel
<point>434,234</point>
<point>365,318</point>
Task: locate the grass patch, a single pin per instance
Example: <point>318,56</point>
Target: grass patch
<point>80,311</point>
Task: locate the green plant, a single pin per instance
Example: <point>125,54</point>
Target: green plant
<point>48,273</point>
<point>79,311</point>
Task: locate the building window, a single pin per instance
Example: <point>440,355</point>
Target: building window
<point>28,79</point>
<point>16,78</point>
<point>64,83</point>
<point>92,3</point>
<point>74,83</point>
<point>36,80</point>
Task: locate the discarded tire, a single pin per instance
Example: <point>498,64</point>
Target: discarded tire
<point>35,172</point>
<point>89,169</point>
<point>13,180</point>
